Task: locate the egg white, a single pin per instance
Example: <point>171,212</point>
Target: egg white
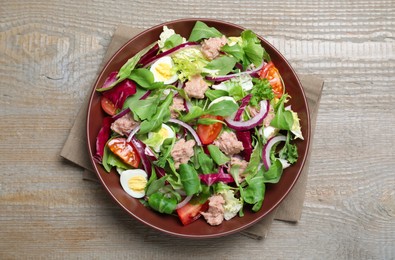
<point>165,132</point>
<point>166,62</point>
<point>126,176</point>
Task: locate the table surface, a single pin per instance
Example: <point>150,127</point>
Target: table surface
<point>50,52</point>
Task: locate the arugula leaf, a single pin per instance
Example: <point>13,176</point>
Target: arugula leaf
<point>162,114</point>
<point>173,176</point>
<point>131,99</point>
<point>145,109</point>
<point>127,68</point>
<point>222,65</point>
<point>166,151</point>
<point>193,113</point>
<point>218,157</point>
<point>202,31</point>
<point>189,179</point>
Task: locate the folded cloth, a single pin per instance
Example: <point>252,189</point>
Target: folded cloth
<point>75,148</point>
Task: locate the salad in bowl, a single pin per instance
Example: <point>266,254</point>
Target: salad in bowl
<point>197,127</point>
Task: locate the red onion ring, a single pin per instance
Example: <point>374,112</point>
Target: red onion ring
<point>132,133</point>
<point>121,114</point>
<point>189,128</point>
<point>252,73</point>
<point>267,148</point>
<point>148,62</point>
<point>244,103</point>
<point>251,123</point>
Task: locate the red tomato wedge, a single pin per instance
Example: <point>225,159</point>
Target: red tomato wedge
<point>208,133</point>
<point>108,106</point>
<point>124,150</point>
<point>270,72</point>
<point>191,212</point>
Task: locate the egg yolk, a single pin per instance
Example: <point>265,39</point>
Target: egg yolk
<point>137,183</point>
<point>163,132</point>
<point>164,71</point>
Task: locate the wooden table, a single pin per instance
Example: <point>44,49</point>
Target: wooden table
<point>50,52</point>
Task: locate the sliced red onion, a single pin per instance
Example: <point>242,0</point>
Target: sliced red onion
<point>151,53</point>
<point>244,103</point>
<point>187,105</point>
<point>189,128</point>
<point>132,133</point>
<point>184,202</point>
<point>252,73</point>
<point>267,148</point>
<point>148,62</point>
<point>140,147</point>
<point>150,153</point>
<point>180,84</point>
<point>251,123</point>
<point>121,114</point>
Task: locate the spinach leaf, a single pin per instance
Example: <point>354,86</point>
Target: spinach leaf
<point>155,185</point>
<point>205,162</point>
<point>255,160</point>
<point>145,79</point>
<point>218,157</point>
<point>202,31</point>
<point>235,50</point>
<point>252,47</point>
<point>222,65</point>
<point>173,41</point>
<point>274,173</point>
<point>215,93</point>
<point>254,193</point>
<point>223,108</point>
<point>162,203</point>
<point>283,118</point>
<point>189,179</point>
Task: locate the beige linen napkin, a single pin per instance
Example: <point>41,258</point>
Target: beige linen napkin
<point>75,148</point>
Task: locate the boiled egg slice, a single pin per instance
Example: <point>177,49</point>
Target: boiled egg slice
<point>156,139</point>
<point>163,71</point>
<point>134,182</point>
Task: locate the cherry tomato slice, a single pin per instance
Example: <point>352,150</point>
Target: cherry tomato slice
<point>208,133</point>
<point>124,150</point>
<point>108,106</point>
<point>191,212</point>
<point>270,72</point>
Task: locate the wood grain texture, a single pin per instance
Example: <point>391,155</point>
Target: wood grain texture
<point>50,52</point>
